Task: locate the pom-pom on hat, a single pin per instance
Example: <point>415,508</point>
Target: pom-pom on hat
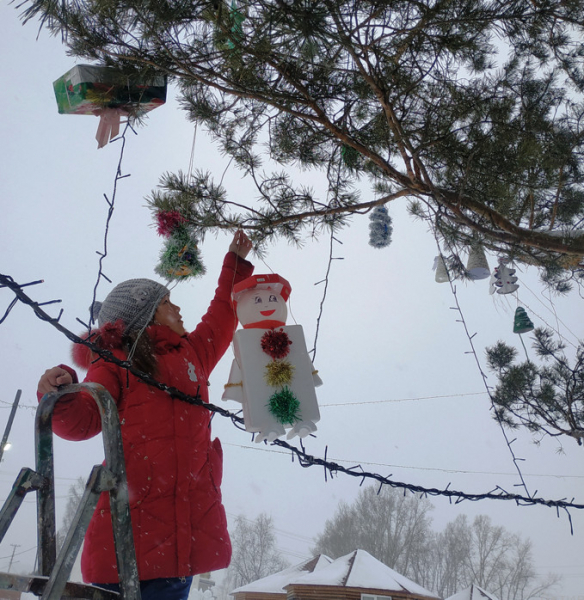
<point>133,302</point>
<point>264,282</point>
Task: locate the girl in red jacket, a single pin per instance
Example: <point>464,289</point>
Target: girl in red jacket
<point>173,468</point>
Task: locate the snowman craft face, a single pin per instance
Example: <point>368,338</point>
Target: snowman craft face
<point>259,307</point>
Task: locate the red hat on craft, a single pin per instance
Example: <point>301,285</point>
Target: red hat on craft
<point>263,282</point>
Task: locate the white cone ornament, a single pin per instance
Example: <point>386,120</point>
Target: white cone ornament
<point>440,268</point>
<point>272,374</point>
<point>477,266</point>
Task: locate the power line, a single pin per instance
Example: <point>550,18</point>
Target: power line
<point>18,553</point>
<point>404,399</point>
<point>377,464</point>
<point>335,404</point>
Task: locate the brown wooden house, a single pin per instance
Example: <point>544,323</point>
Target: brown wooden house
<point>356,576</point>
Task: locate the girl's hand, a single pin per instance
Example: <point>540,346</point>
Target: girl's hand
<point>52,379</point>
<point>241,244</point>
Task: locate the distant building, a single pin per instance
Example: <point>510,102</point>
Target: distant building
<point>474,592</point>
<point>356,576</point>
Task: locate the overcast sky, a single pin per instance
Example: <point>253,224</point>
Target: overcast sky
<point>401,396</point>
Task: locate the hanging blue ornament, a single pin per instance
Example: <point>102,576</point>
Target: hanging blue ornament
<point>380,227</point>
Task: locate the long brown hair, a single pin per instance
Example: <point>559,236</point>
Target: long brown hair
<point>141,348</point>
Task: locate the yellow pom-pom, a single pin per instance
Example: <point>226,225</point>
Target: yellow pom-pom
<point>278,373</point>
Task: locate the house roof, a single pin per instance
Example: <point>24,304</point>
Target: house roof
<point>360,570</point>
<point>356,570</point>
<point>474,592</point>
<point>275,584</point>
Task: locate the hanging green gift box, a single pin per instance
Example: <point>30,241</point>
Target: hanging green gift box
<point>109,94</point>
<point>87,88</point>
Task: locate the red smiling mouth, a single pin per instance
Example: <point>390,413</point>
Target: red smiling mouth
<point>267,313</point>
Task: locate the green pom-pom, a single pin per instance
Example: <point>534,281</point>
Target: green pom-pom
<point>284,406</point>
<point>180,256</point>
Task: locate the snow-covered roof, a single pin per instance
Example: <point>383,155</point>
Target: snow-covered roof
<point>275,584</point>
<point>474,592</point>
<point>356,570</point>
<point>360,570</point>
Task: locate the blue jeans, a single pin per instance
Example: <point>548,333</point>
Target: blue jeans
<point>165,588</point>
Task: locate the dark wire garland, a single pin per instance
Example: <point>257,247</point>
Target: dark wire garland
<point>304,459</point>
<point>516,460</point>
<point>103,254</point>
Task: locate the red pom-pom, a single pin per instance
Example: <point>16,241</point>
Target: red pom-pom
<point>168,221</point>
<point>276,343</point>
<point>82,356</point>
<point>110,335</point>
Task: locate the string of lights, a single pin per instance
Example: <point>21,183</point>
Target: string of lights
<point>305,460</point>
<point>103,254</point>
<point>322,301</point>
<point>483,375</point>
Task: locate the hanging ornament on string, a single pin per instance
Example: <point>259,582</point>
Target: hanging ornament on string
<point>272,374</point>
<point>522,323</point>
<point>477,266</point>
<point>503,280</point>
<point>351,157</point>
<point>228,26</point>
<point>180,257</point>
<point>380,227</point>
<point>109,95</point>
<point>441,271</point>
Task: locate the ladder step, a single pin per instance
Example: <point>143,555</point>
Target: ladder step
<point>35,584</point>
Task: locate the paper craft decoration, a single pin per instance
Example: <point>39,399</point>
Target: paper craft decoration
<point>272,374</point>
<point>441,275</point>
<point>180,257</point>
<point>380,227</point>
<point>522,323</point>
<point>477,266</point>
<point>104,92</point>
<point>503,280</point>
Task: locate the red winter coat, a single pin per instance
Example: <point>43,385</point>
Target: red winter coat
<point>174,469</point>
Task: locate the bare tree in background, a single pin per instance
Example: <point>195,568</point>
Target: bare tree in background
<point>255,554</point>
<point>396,530</point>
<point>74,498</point>
<point>451,549</point>
<point>390,526</point>
<point>502,563</point>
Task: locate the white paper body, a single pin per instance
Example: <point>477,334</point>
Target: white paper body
<point>249,369</point>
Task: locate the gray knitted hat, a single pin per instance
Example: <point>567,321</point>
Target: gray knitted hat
<point>134,302</point>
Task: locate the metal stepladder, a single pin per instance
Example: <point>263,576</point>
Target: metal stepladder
<point>54,569</point>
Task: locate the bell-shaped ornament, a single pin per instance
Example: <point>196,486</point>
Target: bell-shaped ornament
<point>522,323</point>
<point>477,266</point>
<point>441,272</point>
